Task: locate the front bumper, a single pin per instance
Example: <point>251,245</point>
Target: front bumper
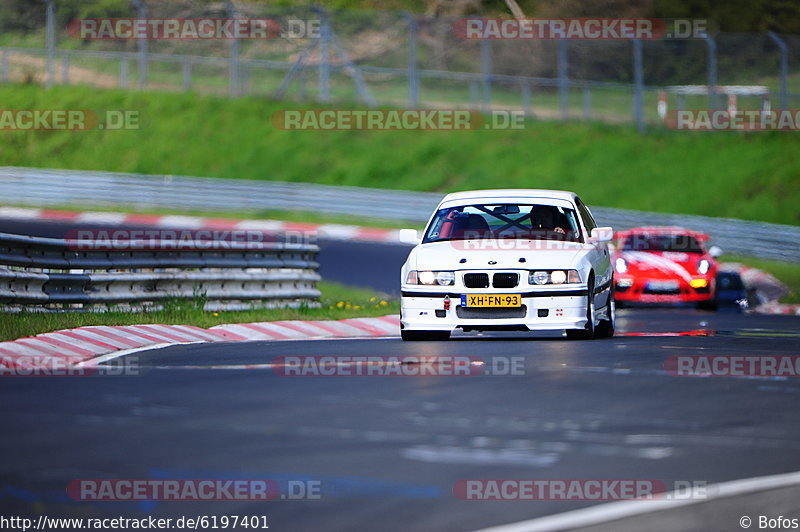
<point>640,293</point>
<point>540,311</point>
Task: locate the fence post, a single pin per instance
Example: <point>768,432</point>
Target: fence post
<point>302,91</point>
<point>187,75</point>
<point>712,72</point>
<point>244,86</point>
<point>563,78</point>
<point>473,94</point>
<point>234,59</point>
<point>141,13</point>
<point>526,98</point>
<point>51,42</point>
<point>486,71</point>
<point>638,86</point>
<point>784,68</point>
<point>324,56</point>
<point>587,103</point>
<point>5,65</point>
<point>413,75</point>
<point>123,73</point>
<point>64,68</point>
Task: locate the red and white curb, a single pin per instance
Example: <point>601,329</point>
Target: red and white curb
<point>768,288</point>
<point>325,231</point>
<point>778,308</point>
<point>73,346</point>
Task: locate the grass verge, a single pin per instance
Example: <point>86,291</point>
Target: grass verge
<point>338,302</point>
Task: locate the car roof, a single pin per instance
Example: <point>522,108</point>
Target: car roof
<point>662,230</point>
<point>521,193</point>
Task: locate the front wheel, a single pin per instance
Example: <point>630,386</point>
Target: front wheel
<point>588,332</point>
<point>605,329</point>
<point>421,336</point>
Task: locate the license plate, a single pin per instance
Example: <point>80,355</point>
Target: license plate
<point>493,300</point>
<point>662,285</point>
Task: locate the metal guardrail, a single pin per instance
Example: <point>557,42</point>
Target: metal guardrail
<point>54,272</point>
<point>42,187</point>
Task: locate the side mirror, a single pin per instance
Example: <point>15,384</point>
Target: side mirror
<point>602,234</point>
<point>715,251</point>
<point>409,236</point>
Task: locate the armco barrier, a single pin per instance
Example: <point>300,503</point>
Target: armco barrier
<point>50,272</point>
<point>44,187</point>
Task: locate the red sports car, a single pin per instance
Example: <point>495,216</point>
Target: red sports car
<point>665,265</point>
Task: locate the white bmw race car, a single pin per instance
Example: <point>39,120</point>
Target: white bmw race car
<point>527,260</point>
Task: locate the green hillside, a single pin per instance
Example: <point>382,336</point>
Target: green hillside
<point>755,176</point>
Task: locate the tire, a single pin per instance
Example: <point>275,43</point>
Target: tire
<point>605,329</point>
<point>588,332</point>
<point>422,336</point>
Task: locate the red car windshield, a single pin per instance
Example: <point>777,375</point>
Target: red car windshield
<point>676,242</point>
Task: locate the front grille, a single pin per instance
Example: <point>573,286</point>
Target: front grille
<point>476,280</point>
<point>505,280</point>
<point>491,313</point>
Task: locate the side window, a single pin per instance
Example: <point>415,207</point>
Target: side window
<point>586,216</point>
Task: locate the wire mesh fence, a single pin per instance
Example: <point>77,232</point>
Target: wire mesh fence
<point>395,59</point>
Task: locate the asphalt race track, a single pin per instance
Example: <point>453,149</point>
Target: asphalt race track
<point>387,451</point>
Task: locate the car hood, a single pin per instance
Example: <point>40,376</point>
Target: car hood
<point>662,264</point>
<point>471,255</point>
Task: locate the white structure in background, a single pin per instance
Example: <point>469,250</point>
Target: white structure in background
<point>662,104</point>
<point>731,91</point>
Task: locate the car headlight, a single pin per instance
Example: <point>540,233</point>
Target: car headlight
<point>541,277</point>
<point>427,277</point>
<point>538,277</point>
<point>703,266</point>
<point>621,265</point>
<point>431,278</point>
<point>445,278</point>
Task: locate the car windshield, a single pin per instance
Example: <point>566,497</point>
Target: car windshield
<point>677,242</point>
<point>729,281</point>
<point>500,221</point>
